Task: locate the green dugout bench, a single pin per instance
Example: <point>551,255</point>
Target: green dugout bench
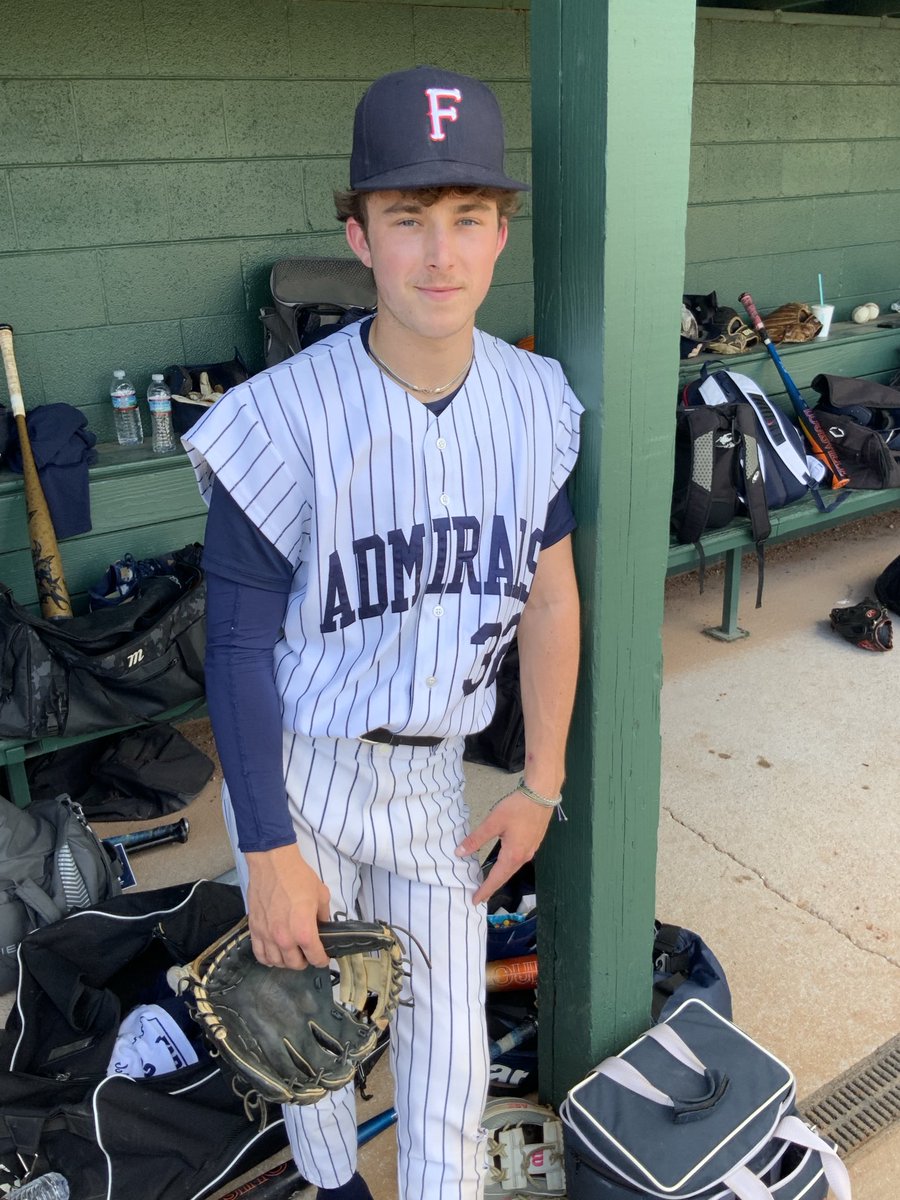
<point>852,350</point>
<point>141,504</point>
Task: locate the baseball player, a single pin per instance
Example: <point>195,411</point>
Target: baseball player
<point>387,512</point>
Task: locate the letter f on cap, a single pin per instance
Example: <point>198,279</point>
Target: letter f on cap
<point>436,114</point>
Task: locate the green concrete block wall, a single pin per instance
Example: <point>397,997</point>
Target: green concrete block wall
<point>157,158</point>
<point>795,160</point>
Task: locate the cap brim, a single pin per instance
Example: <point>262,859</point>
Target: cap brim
<point>439,173</point>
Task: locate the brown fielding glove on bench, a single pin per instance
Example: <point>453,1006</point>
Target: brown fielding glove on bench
<point>282,1032</point>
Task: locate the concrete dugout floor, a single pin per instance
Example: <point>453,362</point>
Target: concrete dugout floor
<point>779,823</point>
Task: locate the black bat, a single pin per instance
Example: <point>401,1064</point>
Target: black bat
<point>283,1180</point>
<point>818,439</point>
<point>140,839</point>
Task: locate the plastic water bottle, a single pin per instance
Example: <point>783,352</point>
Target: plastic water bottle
<point>125,410</point>
<point>52,1186</point>
<point>160,400</point>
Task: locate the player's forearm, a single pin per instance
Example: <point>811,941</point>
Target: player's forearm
<point>548,663</point>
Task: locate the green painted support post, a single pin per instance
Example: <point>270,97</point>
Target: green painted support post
<point>612,85</point>
<point>729,630</point>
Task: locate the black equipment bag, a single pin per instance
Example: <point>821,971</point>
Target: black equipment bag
<point>138,775</point>
<point>173,1136</point>
<point>116,666</point>
<point>871,458</point>
<point>313,297</point>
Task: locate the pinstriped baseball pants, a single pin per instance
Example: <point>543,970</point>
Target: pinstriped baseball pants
<point>380,824</point>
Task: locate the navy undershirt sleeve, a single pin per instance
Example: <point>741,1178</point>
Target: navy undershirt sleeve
<point>243,624</point>
<point>247,586</point>
<point>560,519</point>
<point>235,549</point>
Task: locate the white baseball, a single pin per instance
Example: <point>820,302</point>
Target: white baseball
<point>874,310</point>
<point>862,313</point>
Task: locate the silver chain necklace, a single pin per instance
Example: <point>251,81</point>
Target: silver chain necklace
<point>413,387</point>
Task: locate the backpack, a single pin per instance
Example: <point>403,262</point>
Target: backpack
<point>51,863</point>
<point>171,1135</point>
<point>313,297</point>
<point>694,1108</point>
<point>718,477</point>
<point>786,470</point>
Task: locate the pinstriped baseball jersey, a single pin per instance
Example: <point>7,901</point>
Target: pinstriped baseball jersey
<point>414,538</point>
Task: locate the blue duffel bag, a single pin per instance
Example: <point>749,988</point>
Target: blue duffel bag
<point>694,1108</point>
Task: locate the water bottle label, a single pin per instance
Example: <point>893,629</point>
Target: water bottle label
<point>160,406</point>
<point>124,402</point>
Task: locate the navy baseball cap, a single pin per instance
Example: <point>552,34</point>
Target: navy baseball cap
<point>427,127</point>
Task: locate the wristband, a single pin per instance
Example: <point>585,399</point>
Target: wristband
<point>543,801</point>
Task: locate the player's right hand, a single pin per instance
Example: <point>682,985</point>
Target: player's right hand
<point>285,902</point>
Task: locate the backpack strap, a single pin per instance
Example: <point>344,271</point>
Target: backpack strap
<point>37,901</point>
<point>754,487</point>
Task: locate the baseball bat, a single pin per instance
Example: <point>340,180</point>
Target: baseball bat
<point>281,1181</point>
<point>512,974</point>
<point>819,441</point>
<point>48,569</point>
<point>140,839</point>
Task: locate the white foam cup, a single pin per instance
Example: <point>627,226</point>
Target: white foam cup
<point>823,313</point>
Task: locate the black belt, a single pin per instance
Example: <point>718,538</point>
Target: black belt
<point>386,738</point>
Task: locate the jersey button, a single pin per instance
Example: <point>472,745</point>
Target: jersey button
<point>441,443</point>
<point>445,499</point>
<point>430,681</point>
<point>438,610</point>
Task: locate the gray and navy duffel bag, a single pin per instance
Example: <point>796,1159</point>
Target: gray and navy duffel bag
<point>694,1108</point>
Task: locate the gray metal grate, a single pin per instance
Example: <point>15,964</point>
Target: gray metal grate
<point>861,1103</point>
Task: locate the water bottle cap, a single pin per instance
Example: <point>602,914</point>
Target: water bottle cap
<point>118,374</point>
<point>157,378</point>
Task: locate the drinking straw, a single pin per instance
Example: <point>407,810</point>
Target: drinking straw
<point>821,293</point>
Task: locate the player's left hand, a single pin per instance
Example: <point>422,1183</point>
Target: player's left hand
<point>520,824</point>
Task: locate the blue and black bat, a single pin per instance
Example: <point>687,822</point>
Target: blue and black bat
<point>819,441</point>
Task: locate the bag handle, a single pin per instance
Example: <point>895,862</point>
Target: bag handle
<point>684,1109</point>
<point>793,1129</point>
<point>747,1186</point>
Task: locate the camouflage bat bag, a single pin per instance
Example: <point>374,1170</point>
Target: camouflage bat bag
<point>114,667</point>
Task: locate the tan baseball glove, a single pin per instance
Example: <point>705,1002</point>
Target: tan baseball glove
<point>792,322</point>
